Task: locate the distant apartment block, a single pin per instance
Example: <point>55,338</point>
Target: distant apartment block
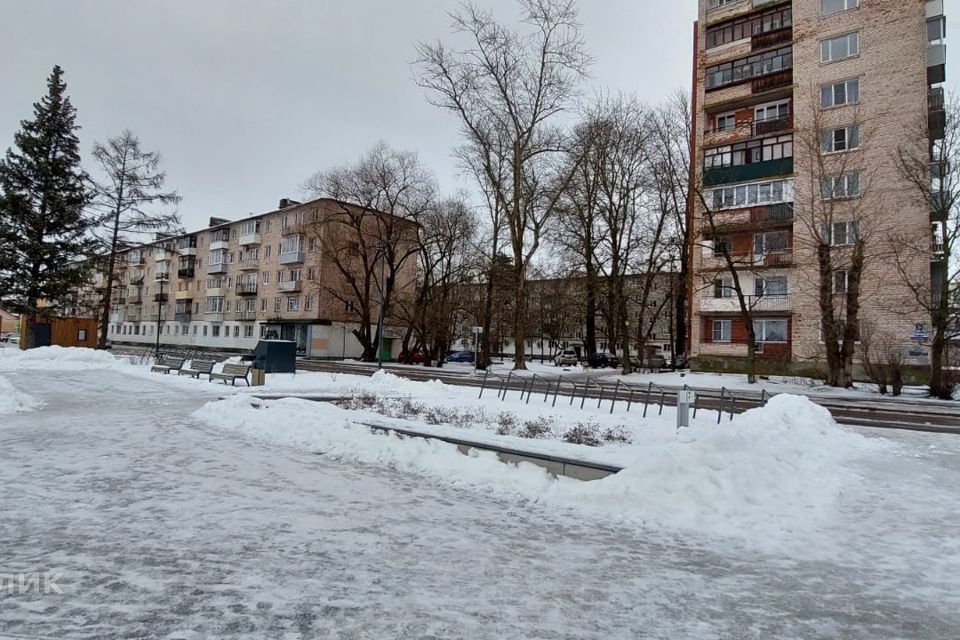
<point>769,76</point>
<point>267,276</point>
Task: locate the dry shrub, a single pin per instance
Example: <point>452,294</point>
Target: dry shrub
<point>539,428</point>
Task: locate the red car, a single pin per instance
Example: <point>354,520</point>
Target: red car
<point>411,358</point>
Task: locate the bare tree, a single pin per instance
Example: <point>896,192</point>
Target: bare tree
<point>448,232</point>
<point>835,226</point>
<point>131,183</point>
<point>507,88</point>
<point>372,239</point>
<point>670,172</point>
<point>930,163</point>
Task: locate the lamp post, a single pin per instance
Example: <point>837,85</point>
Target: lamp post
<point>156,353</point>
<point>381,250</point>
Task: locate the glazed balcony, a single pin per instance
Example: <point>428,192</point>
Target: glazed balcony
<point>773,81</point>
<point>246,288</point>
<point>186,273</point>
<point>245,314</point>
<point>250,264</point>
<point>290,286</point>
<point>748,172</point>
<point>217,268</point>
<point>160,297</point>
<point>749,260</point>
<point>182,316</point>
<point>763,304</point>
<point>291,257</point>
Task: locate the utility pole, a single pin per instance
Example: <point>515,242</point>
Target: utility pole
<point>382,249</point>
<point>156,353</point>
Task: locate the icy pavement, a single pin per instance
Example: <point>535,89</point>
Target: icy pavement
<point>163,528</point>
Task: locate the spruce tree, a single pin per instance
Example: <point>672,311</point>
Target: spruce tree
<point>44,239</point>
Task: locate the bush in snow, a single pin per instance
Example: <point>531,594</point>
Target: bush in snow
<point>617,434</point>
<point>585,433</point>
<point>506,423</point>
<point>539,428</point>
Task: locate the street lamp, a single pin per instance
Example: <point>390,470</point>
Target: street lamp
<point>156,353</point>
<point>381,251</point>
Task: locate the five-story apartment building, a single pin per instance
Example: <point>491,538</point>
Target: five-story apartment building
<point>268,276</point>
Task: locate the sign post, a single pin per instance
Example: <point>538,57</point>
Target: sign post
<point>476,347</point>
<point>685,398</point>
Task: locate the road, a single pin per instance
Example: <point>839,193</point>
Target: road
<point>163,528</point>
<point>931,416</point>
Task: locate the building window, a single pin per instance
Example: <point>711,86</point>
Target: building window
<point>311,273</point>
<point>214,305</point>
<point>263,330</point>
<point>770,286</point>
<point>748,68</point>
<point>742,28</point>
<point>726,122</point>
<point>840,281</point>
<point>216,331</point>
<point>723,287</point>
<point>842,139</point>
<point>722,330</point>
<point>263,305</point>
<point>268,250</point>
<point>830,7</point>
<point>236,331</point>
<point>845,46</point>
<point>276,304</point>
<point>194,329</point>
<point>748,195</point>
<point>248,331</point>
<point>720,245</point>
<point>770,112</point>
<point>308,303</point>
<point>293,304</point>
<point>840,93</point>
<point>770,330</point>
<point>846,185</point>
<point>204,331</point>
<point>81,335</point>
<point>770,242</point>
<point>749,152</point>
<point>266,277</point>
<point>841,234</point>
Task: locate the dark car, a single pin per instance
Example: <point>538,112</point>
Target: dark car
<point>600,360</point>
<point>414,357</point>
<point>460,356</point>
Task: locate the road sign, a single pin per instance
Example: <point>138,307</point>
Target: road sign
<point>686,396</point>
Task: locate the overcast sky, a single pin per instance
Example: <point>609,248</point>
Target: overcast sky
<point>246,99</point>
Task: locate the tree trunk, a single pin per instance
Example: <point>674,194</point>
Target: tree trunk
<point>520,319</point>
<point>939,386</point>
<point>590,335</point>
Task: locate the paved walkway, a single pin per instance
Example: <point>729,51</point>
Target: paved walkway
<point>162,528</point>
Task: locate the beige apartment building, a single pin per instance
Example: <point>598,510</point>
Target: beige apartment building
<point>799,108</point>
<point>271,275</point>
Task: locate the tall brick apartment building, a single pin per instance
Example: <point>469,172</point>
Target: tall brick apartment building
<point>269,275</point>
<point>770,76</point>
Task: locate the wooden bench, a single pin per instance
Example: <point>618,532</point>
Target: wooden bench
<point>166,364</point>
<point>198,368</point>
<point>233,372</point>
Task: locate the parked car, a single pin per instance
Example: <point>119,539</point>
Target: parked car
<point>14,339</point>
<point>566,358</point>
<point>600,360</point>
<point>414,357</point>
<point>680,361</point>
<point>5,336</point>
<point>460,356</point>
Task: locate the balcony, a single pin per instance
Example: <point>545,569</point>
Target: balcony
<point>217,268</point>
<point>184,316</point>
<point>750,260</point>
<point>184,295</point>
<point>160,297</point>
<point>769,126</point>
<point>213,316</point>
<point>247,288</point>
<point>290,286</point>
<point>135,277</point>
<point>159,317</point>
<point>219,240</point>
<point>936,114</point>
<point>216,292</point>
<point>187,250</point>
<point>763,304</point>
<point>135,299</point>
<point>186,273</point>
<point>771,82</point>
<point>245,314</point>
<point>771,39</point>
<point>133,316</point>
<point>936,63</point>
<point>940,205</point>
<point>250,264</point>
<point>748,172</point>
<point>161,275</point>
<point>135,259</point>
<point>250,239</point>
<point>291,257</point>
<point>119,300</point>
<point>161,255</point>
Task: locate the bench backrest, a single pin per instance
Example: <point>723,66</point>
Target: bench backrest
<point>203,366</point>
<point>170,361</point>
<point>236,369</point>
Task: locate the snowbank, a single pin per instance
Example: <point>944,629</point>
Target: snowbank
<point>770,473</point>
<point>57,359</point>
<point>12,400</point>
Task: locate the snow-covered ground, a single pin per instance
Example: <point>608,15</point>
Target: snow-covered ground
<point>171,513</point>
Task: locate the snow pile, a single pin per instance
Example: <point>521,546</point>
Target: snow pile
<point>776,469</point>
<point>769,474</point>
<point>57,359</point>
<point>12,400</point>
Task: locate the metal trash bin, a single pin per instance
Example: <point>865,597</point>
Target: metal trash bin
<point>275,356</point>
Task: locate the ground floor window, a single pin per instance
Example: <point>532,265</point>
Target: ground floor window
<point>771,330</point>
<point>248,331</point>
<point>216,331</point>
<point>722,330</point>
